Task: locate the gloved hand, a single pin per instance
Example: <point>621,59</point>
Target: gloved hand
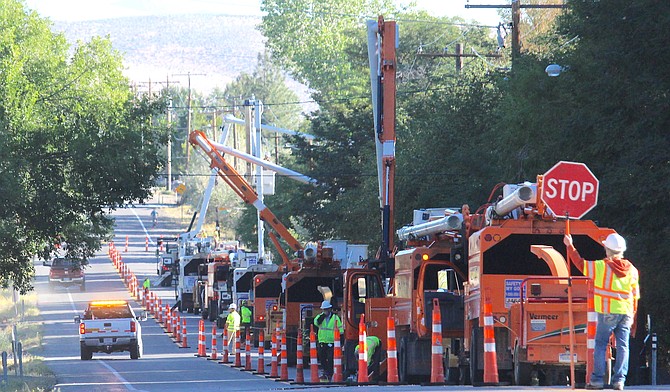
<point>319,318</point>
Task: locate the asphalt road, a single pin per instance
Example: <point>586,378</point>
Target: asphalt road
<point>164,366</point>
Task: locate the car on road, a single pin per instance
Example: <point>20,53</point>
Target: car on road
<point>110,326</point>
<point>66,271</point>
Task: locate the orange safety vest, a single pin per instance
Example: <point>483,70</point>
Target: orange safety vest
<point>612,294</point>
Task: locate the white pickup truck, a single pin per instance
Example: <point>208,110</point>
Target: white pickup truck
<point>110,326</point>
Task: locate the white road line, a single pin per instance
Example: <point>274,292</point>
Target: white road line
<point>142,224</point>
<point>125,382</point>
<point>74,309</point>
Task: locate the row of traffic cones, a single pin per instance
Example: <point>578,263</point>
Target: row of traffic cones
<point>168,319</point>
<point>280,371</point>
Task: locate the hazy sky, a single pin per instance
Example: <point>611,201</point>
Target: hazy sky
<point>75,10</point>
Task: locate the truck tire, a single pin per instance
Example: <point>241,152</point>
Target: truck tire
<point>402,360</point>
<point>522,370</point>
<point>86,353</point>
<point>134,350</point>
<point>476,375</point>
<point>212,311</point>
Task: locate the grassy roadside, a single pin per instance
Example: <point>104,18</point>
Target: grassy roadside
<point>37,375</point>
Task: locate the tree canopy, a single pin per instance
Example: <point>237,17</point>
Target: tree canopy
<point>75,143</point>
<point>460,133</point>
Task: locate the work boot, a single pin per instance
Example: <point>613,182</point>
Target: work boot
<point>594,386</point>
<point>617,386</point>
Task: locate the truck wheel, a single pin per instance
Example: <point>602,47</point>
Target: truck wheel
<point>86,353</point>
<point>212,312</point>
<point>402,360</point>
<point>134,350</point>
<point>521,369</point>
<point>291,348</point>
<point>476,375</point>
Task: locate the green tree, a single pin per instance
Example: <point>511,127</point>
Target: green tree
<point>74,143</point>
<point>608,109</point>
<point>327,31</point>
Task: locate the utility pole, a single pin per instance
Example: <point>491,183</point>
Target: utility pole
<point>458,55</point>
<point>188,118</point>
<point>516,7</point>
<point>169,141</point>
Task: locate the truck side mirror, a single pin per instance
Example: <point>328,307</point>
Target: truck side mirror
<point>46,263</point>
<point>143,316</point>
<point>77,319</point>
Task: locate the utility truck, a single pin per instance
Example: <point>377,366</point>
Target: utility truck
<point>515,263</point>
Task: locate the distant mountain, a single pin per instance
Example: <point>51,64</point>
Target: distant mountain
<point>214,49</point>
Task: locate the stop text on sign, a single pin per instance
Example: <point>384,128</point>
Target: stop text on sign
<point>569,189</point>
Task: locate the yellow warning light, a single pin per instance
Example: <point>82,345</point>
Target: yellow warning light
<point>109,303</point>
<point>425,257</point>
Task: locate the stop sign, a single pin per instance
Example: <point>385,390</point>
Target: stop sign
<point>569,189</point>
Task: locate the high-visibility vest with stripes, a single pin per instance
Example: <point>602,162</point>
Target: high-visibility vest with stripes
<point>327,327</point>
<point>233,321</point>
<point>611,293</point>
<point>246,314</point>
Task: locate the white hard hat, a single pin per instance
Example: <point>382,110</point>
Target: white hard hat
<point>232,306</point>
<point>326,305</point>
<point>615,243</point>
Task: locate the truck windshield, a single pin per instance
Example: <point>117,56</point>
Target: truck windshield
<point>107,312</point>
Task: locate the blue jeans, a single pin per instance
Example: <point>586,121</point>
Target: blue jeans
<point>619,324</point>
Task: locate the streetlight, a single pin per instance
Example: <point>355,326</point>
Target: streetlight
<point>554,70</point>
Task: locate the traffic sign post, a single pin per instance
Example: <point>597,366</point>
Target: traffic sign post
<point>569,189</point>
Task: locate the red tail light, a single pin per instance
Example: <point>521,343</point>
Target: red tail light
<point>82,328</point>
<point>132,326</point>
<point>274,308</point>
<point>258,280</point>
<point>261,318</point>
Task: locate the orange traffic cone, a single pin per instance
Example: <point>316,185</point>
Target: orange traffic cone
<point>126,244</point>
<point>274,370</point>
<point>284,359</point>
<point>238,349</point>
<point>313,364</point>
<point>261,353</point>
<point>168,319</point>
<point>146,244</point>
<point>161,244</point>
<point>247,352</point>
<point>225,358</point>
<point>299,371</point>
<point>202,350</point>
<point>213,354</point>
<point>362,352</point>
<point>436,370</point>
<point>391,352</point>
<point>592,319</point>
<point>337,355</point>
<point>176,329</point>
<point>490,360</point>
<point>184,341</point>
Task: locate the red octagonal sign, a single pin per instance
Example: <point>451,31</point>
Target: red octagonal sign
<point>569,189</point>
